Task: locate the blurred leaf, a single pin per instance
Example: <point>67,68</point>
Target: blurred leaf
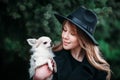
<point>12,45</point>
<point>109,52</point>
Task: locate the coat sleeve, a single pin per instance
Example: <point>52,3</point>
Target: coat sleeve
<point>81,73</point>
<point>85,73</point>
<point>100,75</point>
<point>88,72</point>
<point>55,76</point>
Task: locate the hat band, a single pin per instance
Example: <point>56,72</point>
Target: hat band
<point>90,30</point>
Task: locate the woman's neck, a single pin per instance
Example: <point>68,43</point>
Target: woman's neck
<point>77,54</point>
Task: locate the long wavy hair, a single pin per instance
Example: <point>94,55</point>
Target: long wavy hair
<point>92,51</point>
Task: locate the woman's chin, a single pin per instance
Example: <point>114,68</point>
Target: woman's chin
<point>66,47</point>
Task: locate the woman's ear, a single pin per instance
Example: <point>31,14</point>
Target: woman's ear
<point>31,41</point>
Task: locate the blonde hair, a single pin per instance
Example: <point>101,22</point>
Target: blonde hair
<point>92,51</point>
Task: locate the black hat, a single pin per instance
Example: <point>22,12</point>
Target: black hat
<point>84,19</point>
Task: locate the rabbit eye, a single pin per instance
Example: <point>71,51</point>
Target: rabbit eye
<point>45,43</point>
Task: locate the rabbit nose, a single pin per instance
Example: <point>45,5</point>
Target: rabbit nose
<point>51,44</point>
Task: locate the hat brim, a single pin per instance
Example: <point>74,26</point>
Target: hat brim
<point>61,19</point>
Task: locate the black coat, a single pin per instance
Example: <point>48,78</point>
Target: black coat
<point>84,71</point>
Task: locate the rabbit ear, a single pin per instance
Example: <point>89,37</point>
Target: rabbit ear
<point>31,41</point>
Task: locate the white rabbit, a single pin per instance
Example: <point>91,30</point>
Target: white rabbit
<point>42,53</point>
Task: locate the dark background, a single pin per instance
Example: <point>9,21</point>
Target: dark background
<point>22,19</point>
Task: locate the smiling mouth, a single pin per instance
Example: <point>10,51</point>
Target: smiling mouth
<point>66,43</point>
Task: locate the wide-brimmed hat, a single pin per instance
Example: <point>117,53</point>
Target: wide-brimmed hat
<point>84,19</point>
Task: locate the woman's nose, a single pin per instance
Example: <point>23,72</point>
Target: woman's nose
<point>66,35</point>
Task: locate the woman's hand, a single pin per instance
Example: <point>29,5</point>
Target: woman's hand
<point>42,72</point>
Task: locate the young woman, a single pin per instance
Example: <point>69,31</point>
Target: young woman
<point>77,56</point>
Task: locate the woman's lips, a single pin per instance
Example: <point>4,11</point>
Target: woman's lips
<point>65,43</point>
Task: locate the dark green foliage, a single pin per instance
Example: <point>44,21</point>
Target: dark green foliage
<point>22,19</point>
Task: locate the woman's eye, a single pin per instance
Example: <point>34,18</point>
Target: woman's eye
<point>72,33</point>
<point>64,30</point>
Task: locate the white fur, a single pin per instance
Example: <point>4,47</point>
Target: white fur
<point>42,54</point>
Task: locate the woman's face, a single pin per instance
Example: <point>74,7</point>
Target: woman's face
<point>69,37</point>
